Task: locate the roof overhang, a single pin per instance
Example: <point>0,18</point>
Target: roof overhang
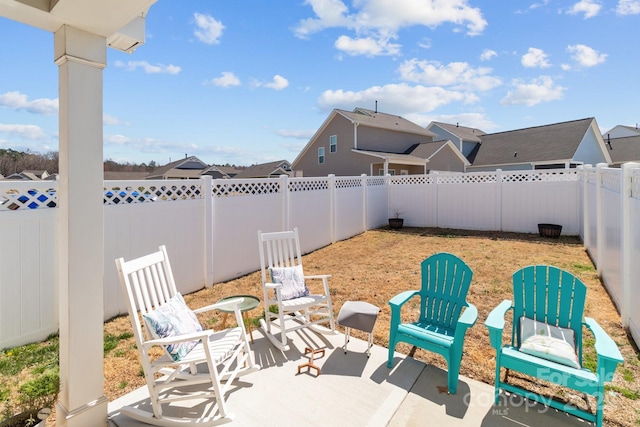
<point>402,159</point>
<point>121,22</point>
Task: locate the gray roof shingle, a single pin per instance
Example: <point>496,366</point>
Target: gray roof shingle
<point>557,141</point>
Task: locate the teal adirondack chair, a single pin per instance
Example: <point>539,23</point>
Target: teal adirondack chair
<point>555,299</point>
<point>441,326</point>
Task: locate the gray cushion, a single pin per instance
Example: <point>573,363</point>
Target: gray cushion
<point>548,342</point>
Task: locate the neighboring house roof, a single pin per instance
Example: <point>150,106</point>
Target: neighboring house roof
<point>548,143</point>
<point>29,175</point>
<point>400,158</point>
<point>189,167</point>
<point>230,171</point>
<point>124,176</point>
<point>621,131</point>
<point>266,170</point>
<point>624,150</point>
<point>372,118</point>
<point>462,132</point>
<point>214,172</point>
<point>428,150</point>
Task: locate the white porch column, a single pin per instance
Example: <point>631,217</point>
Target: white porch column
<point>80,56</point>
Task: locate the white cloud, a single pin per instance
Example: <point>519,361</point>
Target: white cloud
<point>109,120</point>
<point>535,58</point>
<point>208,29</point>
<point>148,68</point>
<point>536,91</point>
<point>397,98</point>
<point>31,132</point>
<point>19,101</point>
<point>226,79</point>
<point>628,7</point>
<point>116,139</point>
<point>585,55</point>
<point>367,46</point>
<point>296,134</point>
<point>487,54</point>
<point>589,8</point>
<point>278,83</point>
<point>458,75</point>
<point>377,21</point>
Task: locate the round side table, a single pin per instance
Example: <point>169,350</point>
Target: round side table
<point>249,303</point>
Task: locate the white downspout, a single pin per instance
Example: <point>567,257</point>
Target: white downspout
<point>355,135</point>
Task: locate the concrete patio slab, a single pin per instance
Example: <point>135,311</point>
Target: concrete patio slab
<point>353,390</point>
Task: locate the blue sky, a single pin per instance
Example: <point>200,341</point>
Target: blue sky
<point>245,82</point>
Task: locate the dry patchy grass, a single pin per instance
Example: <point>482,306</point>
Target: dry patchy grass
<point>377,264</point>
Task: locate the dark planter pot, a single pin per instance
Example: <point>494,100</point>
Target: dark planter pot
<point>396,223</point>
<point>550,230</point>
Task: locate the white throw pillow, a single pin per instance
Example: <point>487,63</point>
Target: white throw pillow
<point>292,280</point>
<point>174,319</point>
<point>548,342</point>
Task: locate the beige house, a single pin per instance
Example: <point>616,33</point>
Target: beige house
<point>367,142</point>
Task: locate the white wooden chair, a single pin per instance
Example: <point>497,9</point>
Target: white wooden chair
<point>284,286</point>
<point>150,289</point>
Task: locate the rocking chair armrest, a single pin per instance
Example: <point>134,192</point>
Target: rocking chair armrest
<point>608,353</point>
<point>318,276</point>
<point>495,323</point>
<point>201,335</point>
<point>269,285</point>
<point>223,304</point>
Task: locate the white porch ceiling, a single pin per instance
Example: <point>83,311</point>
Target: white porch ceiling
<point>101,17</point>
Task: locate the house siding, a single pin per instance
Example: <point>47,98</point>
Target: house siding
<point>590,150</point>
<point>445,160</point>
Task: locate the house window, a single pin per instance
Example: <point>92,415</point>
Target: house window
<point>333,143</point>
<point>390,172</point>
<point>320,155</point>
<point>404,172</point>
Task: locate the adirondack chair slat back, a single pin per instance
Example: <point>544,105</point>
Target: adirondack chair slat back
<point>148,282</point>
<point>279,250</point>
<point>550,295</point>
<point>445,283</point>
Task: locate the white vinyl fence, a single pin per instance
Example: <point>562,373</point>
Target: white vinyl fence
<point>210,226</point>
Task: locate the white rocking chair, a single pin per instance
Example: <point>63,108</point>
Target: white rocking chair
<point>284,287</point>
<point>150,289</point>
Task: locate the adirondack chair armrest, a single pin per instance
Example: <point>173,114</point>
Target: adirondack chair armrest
<point>469,316</point>
<point>608,353</point>
<point>201,335</point>
<point>396,305</point>
<point>397,301</point>
<point>466,320</point>
<point>223,304</point>
<point>495,323</point>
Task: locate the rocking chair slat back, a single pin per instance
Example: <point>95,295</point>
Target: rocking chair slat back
<point>281,249</point>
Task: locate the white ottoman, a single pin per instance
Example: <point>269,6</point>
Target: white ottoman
<point>359,315</point>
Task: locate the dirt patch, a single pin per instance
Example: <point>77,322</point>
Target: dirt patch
<point>378,264</point>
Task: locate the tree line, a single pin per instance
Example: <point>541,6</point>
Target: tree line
<point>13,161</point>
